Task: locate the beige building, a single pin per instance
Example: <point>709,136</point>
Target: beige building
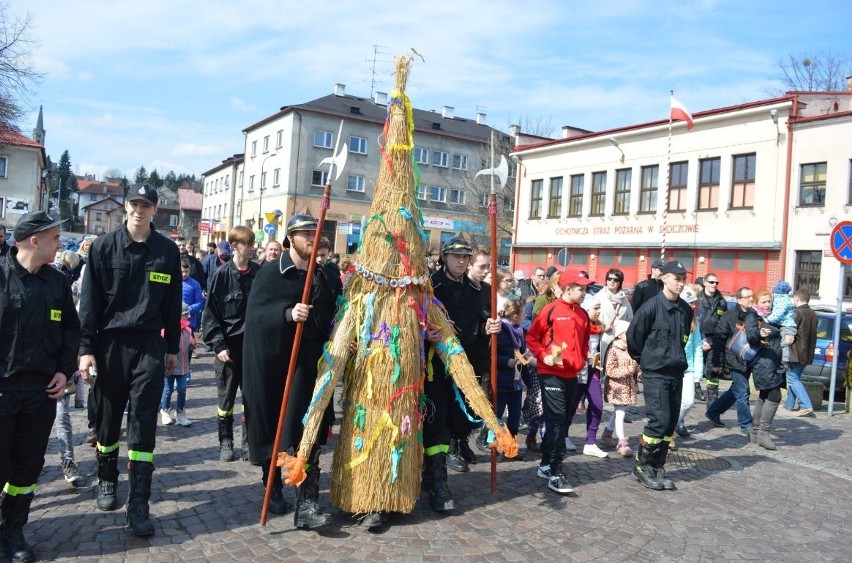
<point>748,194</point>
<point>280,172</point>
<point>22,186</point>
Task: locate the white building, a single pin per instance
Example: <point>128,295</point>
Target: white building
<point>752,192</point>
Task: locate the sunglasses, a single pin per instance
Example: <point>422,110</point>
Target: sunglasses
<point>714,282</point>
<point>613,279</point>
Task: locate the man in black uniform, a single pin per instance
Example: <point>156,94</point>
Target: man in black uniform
<point>4,246</point>
<point>656,339</point>
<point>274,308</point>
<point>223,323</point>
<point>129,301</point>
<point>711,307</point>
<point>467,304</point>
<point>646,289</point>
<point>38,352</point>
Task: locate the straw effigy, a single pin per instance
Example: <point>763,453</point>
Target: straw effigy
<point>389,305</point>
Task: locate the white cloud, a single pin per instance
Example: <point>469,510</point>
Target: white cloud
<point>192,149</point>
<point>85,75</point>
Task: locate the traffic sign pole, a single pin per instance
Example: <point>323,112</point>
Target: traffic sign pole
<point>841,246</point>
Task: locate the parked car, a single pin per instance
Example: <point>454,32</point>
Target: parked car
<point>820,370</point>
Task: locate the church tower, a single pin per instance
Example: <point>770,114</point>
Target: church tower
<point>39,132</point>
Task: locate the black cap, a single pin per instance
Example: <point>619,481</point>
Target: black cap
<point>301,222</point>
<point>658,264</point>
<point>550,271</point>
<point>145,193</point>
<point>457,245</point>
<point>699,281</point>
<point>674,267</point>
<point>33,223</point>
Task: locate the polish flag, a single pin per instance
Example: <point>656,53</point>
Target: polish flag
<point>680,113</point>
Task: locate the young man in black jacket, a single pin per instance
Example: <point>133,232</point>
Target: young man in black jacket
<point>711,307</point>
<point>647,289</point>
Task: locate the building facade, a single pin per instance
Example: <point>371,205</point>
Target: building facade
<point>281,173</point>
<point>91,191</point>
<point>22,186</point>
<point>748,193</point>
<point>100,218</point>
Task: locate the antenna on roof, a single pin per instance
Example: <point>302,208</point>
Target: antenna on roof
<point>373,62</point>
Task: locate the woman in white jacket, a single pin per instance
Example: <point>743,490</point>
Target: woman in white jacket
<point>614,307</point>
<point>694,359</point>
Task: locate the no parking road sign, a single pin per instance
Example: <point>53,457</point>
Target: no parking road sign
<point>841,242</point>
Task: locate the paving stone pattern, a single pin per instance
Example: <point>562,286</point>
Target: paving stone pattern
<point>792,504</point>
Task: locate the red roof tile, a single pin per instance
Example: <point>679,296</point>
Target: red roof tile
<point>189,199</point>
<point>12,137</point>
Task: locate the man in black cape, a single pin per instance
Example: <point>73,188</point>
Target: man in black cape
<point>274,308</point>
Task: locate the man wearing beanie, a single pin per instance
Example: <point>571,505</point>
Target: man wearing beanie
<point>656,340</point>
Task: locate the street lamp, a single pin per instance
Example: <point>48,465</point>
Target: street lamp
<point>262,178</point>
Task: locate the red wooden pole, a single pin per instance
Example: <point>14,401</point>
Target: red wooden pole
<point>294,355</point>
<point>492,213</point>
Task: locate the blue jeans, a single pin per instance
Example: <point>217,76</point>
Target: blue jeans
<point>738,393</point>
<point>63,427</point>
<point>171,382</point>
<point>795,389</point>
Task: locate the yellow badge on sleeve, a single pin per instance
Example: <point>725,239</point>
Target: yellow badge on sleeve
<point>56,315</point>
<point>157,277</point>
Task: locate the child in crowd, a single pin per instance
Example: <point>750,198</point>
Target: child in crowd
<point>512,360</point>
<point>180,376</point>
<point>65,434</point>
<point>783,315</point>
<point>621,384</point>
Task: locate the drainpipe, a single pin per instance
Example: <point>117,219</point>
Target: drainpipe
<point>513,255</point>
<point>787,179</point>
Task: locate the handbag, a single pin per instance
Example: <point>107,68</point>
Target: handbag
<point>738,345</point>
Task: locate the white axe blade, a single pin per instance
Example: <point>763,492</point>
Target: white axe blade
<point>502,172</point>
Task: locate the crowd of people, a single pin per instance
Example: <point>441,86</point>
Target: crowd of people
<point>126,312</point>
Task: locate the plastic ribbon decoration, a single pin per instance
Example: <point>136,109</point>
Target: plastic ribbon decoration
<point>384,423</point>
<point>460,401</point>
<point>317,395</point>
<point>360,417</point>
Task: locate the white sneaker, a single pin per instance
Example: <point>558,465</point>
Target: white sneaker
<point>165,417</point>
<point>594,451</point>
<point>569,445</point>
<point>182,420</point>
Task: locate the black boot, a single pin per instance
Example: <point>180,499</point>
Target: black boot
<point>712,392</point>
<point>657,459</point>
<point>277,504</point>
<point>642,470</point>
<point>244,447</point>
<point>14,513</point>
<point>440,499</point>
<point>226,438</point>
<point>482,439</point>
<point>373,520</point>
<point>138,518</point>
<point>107,480</point>
<point>466,453</point>
<point>454,459</point>
<point>700,395</point>
<point>308,514</point>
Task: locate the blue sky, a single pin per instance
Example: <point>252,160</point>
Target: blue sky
<point>171,84</point>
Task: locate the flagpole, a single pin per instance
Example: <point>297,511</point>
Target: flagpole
<point>668,184</point>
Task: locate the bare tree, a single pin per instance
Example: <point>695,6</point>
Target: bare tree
<point>17,74</point>
<point>815,72</point>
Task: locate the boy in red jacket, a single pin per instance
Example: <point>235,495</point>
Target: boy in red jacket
<point>559,339</point>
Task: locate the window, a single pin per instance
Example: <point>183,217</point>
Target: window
<point>355,183</point>
<point>263,180</point>
<point>420,191</point>
<point>742,189</point>
<point>439,158</point>
<point>173,220</point>
<point>708,184</point>
<point>677,186</point>
<point>421,156</point>
<point>812,185</point>
<point>460,161</point>
<point>319,177</point>
<point>598,194</point>
<point>241,178</point>
<point>279,138</point>
<point>437,193</point>
<point>648,189</point>
<point>575,199</point>
<point>358,145</point>
<point>266,144</point>
<point>323,139</point>
<point>457,197</point>
<point>622,191</point>
<point>276,177</point>
<point>251,183</point>
<point>99,216</point>
<point>808,265</point>
<point>555,204</point>
<point>3,162</point>
<point>536,187</point>
<point>254,148</point>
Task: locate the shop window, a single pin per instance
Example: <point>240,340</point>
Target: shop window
<point>808,265</point>
<point>742,187</point>
<point>536,187</point>
<point>575,200</point>
<point>555,202</point>
<point>812,185</point>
